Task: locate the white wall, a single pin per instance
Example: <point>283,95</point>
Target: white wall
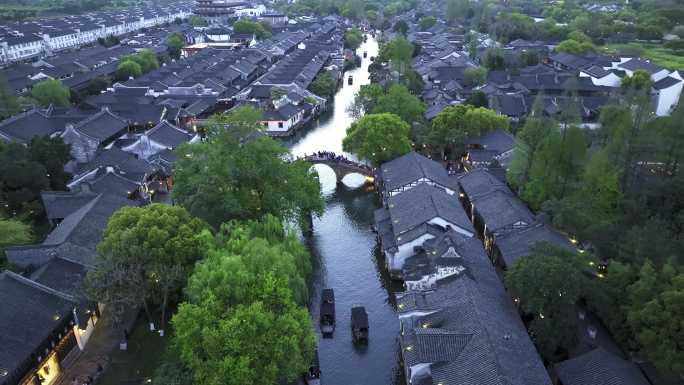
<point>668,99</point>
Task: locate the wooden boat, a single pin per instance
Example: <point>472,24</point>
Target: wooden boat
<point>327,318</point>
<point>313,375</point>
<point>365,54</point>
<point>359,324</point>
<point>350,80</point>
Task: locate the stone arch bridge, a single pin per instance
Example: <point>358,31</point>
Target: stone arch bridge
<point>342,166</point>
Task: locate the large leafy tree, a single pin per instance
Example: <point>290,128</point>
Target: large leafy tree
<point>21,181</point>
<point>399,101</point>
<point>378,137</point>
<point>324,85</point>
<point>655,314</point>
<point>175,42</point>
<point>398,52</point>
<point>450,127</point>
<point>51,91</point>
<point>529,140</point>
<point>158,242</point>
<point>252,27</point>
<point>365,99</point>
<point>239,173</point>
<point>242,324</point>
<point>353,38</point>
<point>128,69</point>
<point>53,154</point>
<point>547,284</point>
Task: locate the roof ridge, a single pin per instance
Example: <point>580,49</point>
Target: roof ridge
<point>27,281</point>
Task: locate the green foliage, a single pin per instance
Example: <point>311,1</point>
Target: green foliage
<point>241,324</point>
<point>456,9</point>
<point>13,233</point>
<point>530,139</point>
<point>238,174</point>
<point>548,283</point>
<point>157,245</point>
<point>353,38</point>
<point>557,165</point>
<point>512,25</point>
<point>175,42</point>
<point>477,99</point>
<point>24,174</point>
<point>475,76</point>
<point>324,84</point>
<point>426,22</point>
<point>251,27</point>
<point>399,101</point>
<point>494,59</point>
<point>365,99</point>
<point>197,21</point>
<point>378,138</point>
<point>51,91</point>
<point>640,81</point>
<point>128,69</point>
<point>450,127</point>
<point>146,59</point>
<point>398,52</point>
<point>9,105</point>
<point>401,27</point>
<point>577,43</point>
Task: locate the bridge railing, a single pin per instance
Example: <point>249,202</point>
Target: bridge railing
<point>339,160</point>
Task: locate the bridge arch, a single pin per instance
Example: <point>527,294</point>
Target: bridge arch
<point>343,167</point>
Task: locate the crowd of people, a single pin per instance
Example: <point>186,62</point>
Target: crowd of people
<point>333,157</point>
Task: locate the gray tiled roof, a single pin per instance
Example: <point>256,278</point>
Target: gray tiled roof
<point>410,168</point>
<point>421,204</point>
<point>60,204</point>
<point>517,244</point>
<point>599,367</point>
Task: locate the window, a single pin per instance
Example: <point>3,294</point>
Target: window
<point>280,124</point>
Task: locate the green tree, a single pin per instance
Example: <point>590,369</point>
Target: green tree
<point>251,27</point>
<point>477,99</point>
<point>13,233</point>
<point>557,165</point>
<point>456,9</point>
<point>640,81</point>
<point>9,105</point>
<point>365,99</point>
<point>494,59</point>
<point>53,154</point>
<point>475,76</point>
<point>548,283</point>
<point>146,59</point>
<point>323,85</point>
<point>175,42</point>
<point>241,324</point>
<point>238,174</point>
<point>378,137</point>
<point>454,124</point>
<point>51,91</point>
<point>399,101</point>
<point>426,22</point>
<point>400,27</point>
<point>398,52</point>
<point>655,313</point>
<point>577,43</point>
<point>128,69</point>
<point>353,38</point>
<point>529,141</point>
<point>21,181</point>
<point>159,242</point>
<point>197,21</point>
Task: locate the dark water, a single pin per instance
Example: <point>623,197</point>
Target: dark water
<point>345,249</point>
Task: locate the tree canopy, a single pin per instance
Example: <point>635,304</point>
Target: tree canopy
<point>399,101</point>
<point>51,91</point>
<point>353,38</point>
<point>241,323</point>
<point>128,69</point>
<point>378,137</point>
<point>446,135</point>
<point>238,173</point>
<point>324,84</point>
<point>426,22</point>
<point>157,244</point>
<point>9,105</point>
<point>175,41</point>
<point>252,27</point>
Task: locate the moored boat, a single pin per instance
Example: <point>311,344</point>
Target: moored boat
<point>313,375</point>
<point>359,324</point>
<point>350,80</point>
<point>327,318</point>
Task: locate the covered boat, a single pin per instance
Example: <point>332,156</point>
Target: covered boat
<point>350,80</point>
<point>327,318</point>
<point>359,324</point>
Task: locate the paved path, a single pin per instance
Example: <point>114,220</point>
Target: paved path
<point>105,338</point>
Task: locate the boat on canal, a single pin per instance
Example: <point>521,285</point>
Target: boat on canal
<point>327,318</point>
<point>350,80</point>
<point>359,325</point>
<point>365,54</point>
<point>313,375</point>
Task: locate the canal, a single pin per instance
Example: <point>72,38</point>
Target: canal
<point>345,251</point>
